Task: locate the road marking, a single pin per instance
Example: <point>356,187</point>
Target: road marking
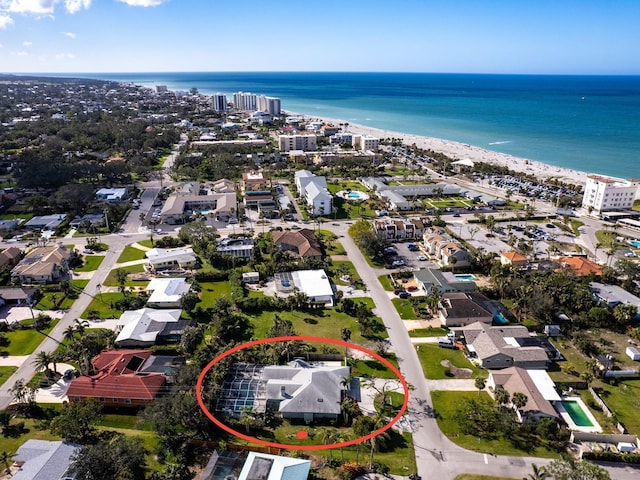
<point>486,459</point>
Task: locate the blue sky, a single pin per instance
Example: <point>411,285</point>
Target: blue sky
<point>494,36</point>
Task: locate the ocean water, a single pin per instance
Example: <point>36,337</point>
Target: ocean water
<point>588,123</point>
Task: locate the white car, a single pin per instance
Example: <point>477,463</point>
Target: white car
<point>422,258</point>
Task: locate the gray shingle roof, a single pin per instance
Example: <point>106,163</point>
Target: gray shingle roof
<point>44,460</point>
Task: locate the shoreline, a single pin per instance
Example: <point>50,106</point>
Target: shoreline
<point>461,151</point>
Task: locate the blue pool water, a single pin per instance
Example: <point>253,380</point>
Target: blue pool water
<point>466,277</point>
<point>635,243</point>
<point>499,319</point>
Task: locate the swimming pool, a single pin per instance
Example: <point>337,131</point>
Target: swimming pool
<point>500,319</point>
<point>353,195</point>
<point>466,277</point>
<point>577,414</point>
<point>635,243</point>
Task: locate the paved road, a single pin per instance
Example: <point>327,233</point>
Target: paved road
<point>436,456</point>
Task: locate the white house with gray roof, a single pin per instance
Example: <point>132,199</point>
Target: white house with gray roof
<point>313,189</point>
<point>303,391</point>
<point>44,460</point>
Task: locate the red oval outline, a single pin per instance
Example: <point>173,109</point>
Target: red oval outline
<point>285,446</point>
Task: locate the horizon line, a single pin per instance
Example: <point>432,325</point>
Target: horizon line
<point>324,72</point>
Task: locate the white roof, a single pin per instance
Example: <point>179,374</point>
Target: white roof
<point>167,290</point>
<point>274,467</point>
<point>181,255</point>
<point>144,325</point>
<point>313,283</point>
<point>544,384</point>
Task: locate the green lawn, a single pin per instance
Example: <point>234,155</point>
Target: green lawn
<point>428,332</point>
<point>374,368</point>
<point>332,246</point>
<point>91,263</point>
<point>324,323</point>
<point>25,342</point>
<point>6,372</point>
<point>385,282</point>
<point>624,400</point>
<point>337,266</point>
<point>404,308</point>
<point>129,254</point>
<point>345,185</point>
<point>445,404</point>
<point>110,281</point>
<point>398,454</point>
<point>101,303</point>
<point>211,291</point>
<point>50,299</point>
<point>32,431</point>
<point>146,243</point>
<point>431,355</point>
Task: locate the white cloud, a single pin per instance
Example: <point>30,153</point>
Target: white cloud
<point>70,35</point>
<point>5,21</point>
<point>27,43</point>
<point>22,54</point>
<point>74,6</point>
<point>143,3</point>
<point>40,7</point>
<point>43,7</point>
<point>65,56</point>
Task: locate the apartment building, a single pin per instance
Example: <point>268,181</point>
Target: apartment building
<point>605,194</point>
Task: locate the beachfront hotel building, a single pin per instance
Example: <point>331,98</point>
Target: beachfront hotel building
<point>245,101</point>
<point>297,142</point>
<point>219,102</point>
<point>270,105</point>
<point>605,194</point>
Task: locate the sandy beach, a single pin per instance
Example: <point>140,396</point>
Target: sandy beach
<point>461,151</point>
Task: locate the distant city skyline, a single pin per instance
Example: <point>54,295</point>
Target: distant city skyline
<point>464,36</point>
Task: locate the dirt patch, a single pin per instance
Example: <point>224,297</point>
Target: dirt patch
<point>456,372</point>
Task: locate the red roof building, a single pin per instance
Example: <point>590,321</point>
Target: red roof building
<point>581,266</point>
<point>121,380</point>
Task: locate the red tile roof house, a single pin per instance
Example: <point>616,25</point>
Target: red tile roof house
<point>121,380</point>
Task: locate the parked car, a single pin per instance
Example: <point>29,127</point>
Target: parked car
<point>398,263</point>
<point>412,288</point>
<point>404,294</point>
<point>422,258</point>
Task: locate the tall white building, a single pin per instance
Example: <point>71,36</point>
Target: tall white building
<point>365,143</point>
<point>604,194</point>
<point>270,105</point>
<point>219,102</point>
<point>245,101</point>
<point>297,142</point>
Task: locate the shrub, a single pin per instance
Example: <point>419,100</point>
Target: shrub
<point>350,470</point>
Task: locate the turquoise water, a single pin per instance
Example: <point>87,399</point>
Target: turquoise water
<point>589,123</point>
<point>576,413</point>
<point>355,195</point>
<point>466,277</point>
<point>635,243</point>
<point>499,319</point>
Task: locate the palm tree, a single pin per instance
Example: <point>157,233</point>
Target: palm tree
<point>42,361</point>
<point>539,473</point>
<point>519,400</point>
<point>345,334</point>
<point>329,436</point>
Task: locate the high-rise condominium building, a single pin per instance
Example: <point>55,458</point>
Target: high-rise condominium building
<point>219,102</point>
<point>245,101</point>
